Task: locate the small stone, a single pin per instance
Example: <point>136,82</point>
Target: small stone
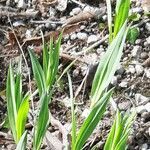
<point>75,11</point>
<point>147,107</point>
<point>147,26</point>
<point>73,36</point>
<point>18,23</point>
<point>141,109</point>
<point>135,50</point>
<point>147,73</point>
<point>104,17</point>
<point>82,36</point>
<point>131,69</point>
<point>114,81</point>
<point>139,69</point>
<point>138,41</point>
<point>144,55</point>
<point>85,113</point>
<point>123,84</point>
<point>124,105</point>
<point>28,34</point>
<point>120,70</point>
<point>22,4</point>
<point>52,12</point>
<point>142,100</point>
<point>137,10</point>
<point>99,50</point>
<point>148,40</point>
<point>144,146</point>
<point>92,38</point>
<point>145,115</point>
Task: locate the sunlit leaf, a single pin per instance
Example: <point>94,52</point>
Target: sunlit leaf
<point>92,120</point>
<point>22,142</point>
<point>22,116</point>
<point>41,122</point>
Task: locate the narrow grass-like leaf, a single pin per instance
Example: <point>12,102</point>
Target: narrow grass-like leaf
<point>11,102</point>
<point>122,11</point>
<point>38,73</point>
<point>109,14</point>
<point>54,60</point>
<point>117,138</point>
<point>18,90</point>
<point>22,116</point>
<point>92,120</point>
<point>22,144</point>
<point>41,122</point>
<point>72,112</point>
<point>108,65</point>
<point>18,86</point>
<point>45,58</point>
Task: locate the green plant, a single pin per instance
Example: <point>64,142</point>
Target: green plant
<point>45,75</point>
<point>121,15</point>
<point>133,34</point>
<point>17,104</point>
<point>42,122</point>
<point>119,132</point>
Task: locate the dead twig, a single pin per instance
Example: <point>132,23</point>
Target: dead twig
<point>19,14</point>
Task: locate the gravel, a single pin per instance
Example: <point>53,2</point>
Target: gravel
<point>82,36</point>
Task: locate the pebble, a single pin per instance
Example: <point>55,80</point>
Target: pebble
<point>120,70</point>
<point>141,109</point>
<point>82,36</point>
<point>137,10</point>
<point>131,69</point>
<point>145,115</point>
<point>148,41</point>
<point>144,55</point>
<point>22,4</point>
<point>18,23</point>
<point>73,36</point>
<point>142,100</point>
<point>147,26</point>
<point>147,73</point>
<point>85,113</point>
<point>104,17</point>
<point>144,146</point>
<point>139,69</point>
<point>138,41</point>
<point>135,50</point>
<point>124,105</point>
<point>52,12</point>
<point>114,81</point>
<point>75,11</point>
<point>28,34</point>
<point>99,50</point>
<point>123,84</point>
<point>147,107</point>
<point>92,38</point>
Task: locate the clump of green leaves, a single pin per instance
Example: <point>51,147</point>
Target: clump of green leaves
<point>17,104</point>
<point>119,132</point>
<point>133,34</point>
<point>121,15</point>
<point>45,74</point>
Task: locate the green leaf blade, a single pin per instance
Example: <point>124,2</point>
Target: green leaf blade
<point>92,120</point>
<point>22,116</point>
<point>41,123</point>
